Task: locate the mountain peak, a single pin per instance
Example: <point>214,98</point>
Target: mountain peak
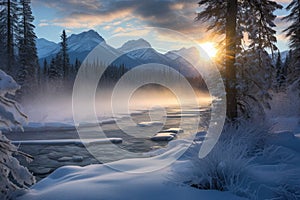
<point>85,41</point>
<point>132,45</point>
<point>86,35</point>
<point>183,52</point>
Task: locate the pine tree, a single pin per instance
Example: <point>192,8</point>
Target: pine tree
<point>44,76</point>
<point>28,73</point>
<point>64,54</point>
<point>77,65</point>
<point>230,55</point>
<point>45,69</point>
<point>260,24</point>
<point>287,64</point>
<point>8,29</point>
<point>293,32</point>
<point>2,39</point>
<point>55,71</point>
<point>280,73</point>
<point>222,17</point>
<point>233,19</point>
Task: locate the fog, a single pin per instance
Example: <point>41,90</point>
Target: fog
<point>55,107</point>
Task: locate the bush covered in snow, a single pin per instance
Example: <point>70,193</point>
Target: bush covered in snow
<point>13,176</point>
<point>251,162</point>
<point>225,167</point>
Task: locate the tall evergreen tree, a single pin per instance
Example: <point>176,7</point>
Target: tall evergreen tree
<point>287,63</point>
<point>45,68</point>
<point>8,29</point>
<point>222,18</point>
<point>280,72</point>
<point>64,54</point>
<point>233,19</point>
<point>55,71</point>
<point>230,55</point>
<point>77,65</point>
<point>28,73</point>
<point>293,32</point>
<point>260,24</point>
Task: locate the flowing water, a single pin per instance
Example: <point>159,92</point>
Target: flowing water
<point>49,157</point>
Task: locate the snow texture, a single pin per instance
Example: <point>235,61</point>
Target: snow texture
<point>250,162</point>
<point>14,177</point>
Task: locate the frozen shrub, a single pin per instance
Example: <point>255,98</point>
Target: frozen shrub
<point>13,177</point>
<point>226,167</point>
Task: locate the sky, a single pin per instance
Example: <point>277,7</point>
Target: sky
<point>120,16</point>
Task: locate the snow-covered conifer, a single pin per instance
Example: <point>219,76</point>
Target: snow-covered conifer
<point>14,177</point>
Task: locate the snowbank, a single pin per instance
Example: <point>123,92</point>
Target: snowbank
<point>96,182</point>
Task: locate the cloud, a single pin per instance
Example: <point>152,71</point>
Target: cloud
<point>42,24</point>
<point>172,14</point>
<point>74,5</point>
<point>87,20</point>
<point>177,15</point>
<point>107,27</point>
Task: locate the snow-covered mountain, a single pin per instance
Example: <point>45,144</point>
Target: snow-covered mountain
<point>185,60</point>
<point>46,48</point>
<point>142,50</point>
<point>131,53</point>
<point>80,45</point>
<point>132,45</point>
<point>84,42</point>
<point>188,54</point>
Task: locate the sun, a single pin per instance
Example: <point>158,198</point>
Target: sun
<point>209,48</point>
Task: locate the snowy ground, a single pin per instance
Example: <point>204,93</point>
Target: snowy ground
<point>102,182</point>
<point>105,182</point>
<point>273,174</point>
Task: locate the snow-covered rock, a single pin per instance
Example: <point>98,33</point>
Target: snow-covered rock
<point>152,123</point>
<point>163,137</point>
<point>172,130</point>
<point>7,84</point>
<point>77,158</point>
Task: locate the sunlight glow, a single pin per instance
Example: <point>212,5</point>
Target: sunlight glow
<point>210,49</point>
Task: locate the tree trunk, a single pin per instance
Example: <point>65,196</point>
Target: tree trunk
<point>231,92</point>
<point>9,38</point>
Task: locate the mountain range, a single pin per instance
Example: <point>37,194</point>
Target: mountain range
<point>134,52</point>
<point>80,45</point>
